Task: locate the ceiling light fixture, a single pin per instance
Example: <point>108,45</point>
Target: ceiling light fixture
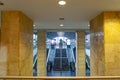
<point>34,25</point>
<point>62,2</point>
<point>61,25</point>
<point>61,18</point>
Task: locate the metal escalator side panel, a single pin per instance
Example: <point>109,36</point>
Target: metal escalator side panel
<point>88,61</point>
<point>51,55</point>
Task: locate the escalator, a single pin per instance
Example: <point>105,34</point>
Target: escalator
<point>71,59</point>
<point>61,60</point>
<point>50,59</point>
<point>61,64</point>
<point>88,61</point>
<point>35,65</point>
<point>87,65</point>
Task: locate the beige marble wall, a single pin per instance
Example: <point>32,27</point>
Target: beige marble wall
<point>16,44</point>
<point>97,46</point>
<point>105,44</point>
<point>81,69</point>
<point>41,53</point>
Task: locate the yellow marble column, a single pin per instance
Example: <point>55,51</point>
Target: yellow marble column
<point>81,69</point>
<point>112,43</point>
<point>105,44</point>
<point>16,44</point>
<point>3,58</point>
<point>26,46</point>
<point>41,53</point>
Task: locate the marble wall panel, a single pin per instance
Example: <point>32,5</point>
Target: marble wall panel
<point>9,40</point>
<point>105,47</point>
<point>41,53</point>
<point>15,23</point>
<point>112,43</point>
<point>26,45</point>
<point>81,69</point>
<point>97,46</point>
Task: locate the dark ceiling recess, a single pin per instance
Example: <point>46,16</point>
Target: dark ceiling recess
<point>1,3</point>
<point>61,19</point>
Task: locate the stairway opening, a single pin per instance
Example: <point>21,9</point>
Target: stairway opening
<point>61,53</point>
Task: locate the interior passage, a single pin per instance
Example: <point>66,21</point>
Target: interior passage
<point>61,62</point>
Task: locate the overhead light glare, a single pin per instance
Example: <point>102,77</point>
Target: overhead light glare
<point>61,25</point>
<point>62,2</point>
<point>34,25</point>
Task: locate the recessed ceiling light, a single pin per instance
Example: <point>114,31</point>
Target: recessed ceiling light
<point>61,19</point>
<point>61,25</point>
<point>34,25</point>
<point>62,2</point>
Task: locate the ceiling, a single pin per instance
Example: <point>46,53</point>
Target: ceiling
<point>46,13</point>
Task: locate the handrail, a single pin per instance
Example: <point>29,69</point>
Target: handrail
<point>34,61</point>
<point>44,77</point>
<point>48,55</point>
<point>88,61</point>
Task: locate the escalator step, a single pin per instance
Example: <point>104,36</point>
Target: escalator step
<point>57,54</point>
<point>65,66</point>
<point>57,66</point>
<point>64,54</point>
